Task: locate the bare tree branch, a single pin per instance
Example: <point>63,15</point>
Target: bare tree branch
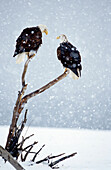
<point>24,71</point>
<point>33,159</point>
<point>19,106</point>
<point>25,68</point>
<point>24,121</point>
<point>14,132</point>
<point>15,118</point>
<point>31,146</point>
<point>48,158</point>
<point>52,164</point>
<point>42,89</point>
<point>52,157</point>
<point>16,108</point>
<point>18,133</point>
<point>24,139</point>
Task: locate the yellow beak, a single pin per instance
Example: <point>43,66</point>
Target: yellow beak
<point>46,32</point>
<point>58,37</point>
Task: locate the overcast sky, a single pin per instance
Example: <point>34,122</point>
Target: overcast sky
<point>85,103</point>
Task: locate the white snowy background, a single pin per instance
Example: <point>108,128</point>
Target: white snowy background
<point>85,103</point>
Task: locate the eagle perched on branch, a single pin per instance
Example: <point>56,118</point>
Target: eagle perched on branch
<point>29,42</point>
<point>69,57</point>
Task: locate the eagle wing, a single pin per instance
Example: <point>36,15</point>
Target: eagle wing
<point>70,57</point>
<point>29,39</point>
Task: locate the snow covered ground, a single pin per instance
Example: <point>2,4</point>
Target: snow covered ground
<point>93,148</point>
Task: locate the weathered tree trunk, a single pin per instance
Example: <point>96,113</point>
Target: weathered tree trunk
<point>13,148</point>
<point>13,136</point>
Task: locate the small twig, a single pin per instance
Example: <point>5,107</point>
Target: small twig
<point>29,146</point>
<point>48,158</point>
<point>22,157</point>
<point>24,139</point>
<point>33,159</point>
<point>43,160</point>
<point>20,145</point>
<point>25,120</point>
<point>52,157</point>
<point>18,133</point>
<point>52,164</point>
<point>29,151</point>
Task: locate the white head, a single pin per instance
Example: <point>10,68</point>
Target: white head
<point>63,38</point>
<point>43,28</point>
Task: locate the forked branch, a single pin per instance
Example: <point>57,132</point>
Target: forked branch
<point>42,89</point>
<point>13,136</point>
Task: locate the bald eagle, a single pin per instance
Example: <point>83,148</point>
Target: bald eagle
<point>29,41</point>
<point>69,57</point>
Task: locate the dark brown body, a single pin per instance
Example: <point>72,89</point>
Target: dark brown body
<point>69,57</point>
<point>29,39</point>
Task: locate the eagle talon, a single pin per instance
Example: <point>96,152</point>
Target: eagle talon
<point>31,56</point>
<point>65,70</point>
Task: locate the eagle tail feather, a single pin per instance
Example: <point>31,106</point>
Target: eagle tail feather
<point>20,58</point>
<point>74,75</point>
